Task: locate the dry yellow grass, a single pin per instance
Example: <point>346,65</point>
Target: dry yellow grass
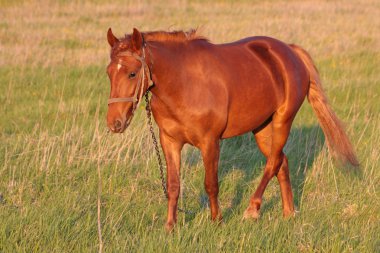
<point>55,32</point>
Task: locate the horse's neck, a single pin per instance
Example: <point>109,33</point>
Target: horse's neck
<point>165,70</point>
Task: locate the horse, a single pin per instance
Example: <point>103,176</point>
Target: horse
<point>204,92</point>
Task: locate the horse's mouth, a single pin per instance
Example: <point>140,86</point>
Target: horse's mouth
<point>124,128</point>
<point>118,127</point>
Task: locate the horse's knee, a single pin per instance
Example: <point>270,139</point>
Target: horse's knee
<point>212,189</point>
<point>173,190</point>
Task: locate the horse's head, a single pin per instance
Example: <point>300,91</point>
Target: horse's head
<point>129,75</point>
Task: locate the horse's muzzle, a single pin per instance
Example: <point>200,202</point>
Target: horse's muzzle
<point>117,126</point>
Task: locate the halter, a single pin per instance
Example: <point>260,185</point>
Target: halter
<point>136,98</point>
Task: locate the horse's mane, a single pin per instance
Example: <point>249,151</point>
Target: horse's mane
<point>174,36</point>
<point>177,36</point>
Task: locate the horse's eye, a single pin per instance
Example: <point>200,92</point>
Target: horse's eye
<point>132,75</point>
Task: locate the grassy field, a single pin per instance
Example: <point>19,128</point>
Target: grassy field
<point>53,91</point>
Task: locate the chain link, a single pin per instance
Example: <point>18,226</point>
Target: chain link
<point>155,143</point>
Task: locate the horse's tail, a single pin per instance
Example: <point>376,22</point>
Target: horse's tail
<point>337,140</point>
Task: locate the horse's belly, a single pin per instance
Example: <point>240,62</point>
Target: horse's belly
<point>250,107</point>
<point>243,123</point>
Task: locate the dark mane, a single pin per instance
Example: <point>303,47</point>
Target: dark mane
<point>174,36</point>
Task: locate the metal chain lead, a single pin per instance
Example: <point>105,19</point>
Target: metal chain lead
<point>149,114</point>
<point>160,165</point>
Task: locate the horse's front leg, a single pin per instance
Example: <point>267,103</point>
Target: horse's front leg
<point>172,151</point>
<point>210,154</point>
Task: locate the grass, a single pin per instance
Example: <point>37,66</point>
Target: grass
<point>53,96</point>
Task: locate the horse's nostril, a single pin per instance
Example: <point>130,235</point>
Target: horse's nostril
<point>118,124</point>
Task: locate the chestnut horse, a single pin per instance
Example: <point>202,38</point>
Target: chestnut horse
<point>202,93</point>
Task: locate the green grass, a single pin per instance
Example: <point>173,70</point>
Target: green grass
<point>53,135</point>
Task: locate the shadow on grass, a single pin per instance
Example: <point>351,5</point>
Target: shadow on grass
<point>241,154</point>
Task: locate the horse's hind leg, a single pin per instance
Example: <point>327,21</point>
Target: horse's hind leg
<point>271,139</point>
<point>264,141</point>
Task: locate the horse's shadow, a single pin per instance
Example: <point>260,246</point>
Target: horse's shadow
<point>241,156</point>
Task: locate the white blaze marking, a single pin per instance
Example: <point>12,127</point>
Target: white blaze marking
<point>118,67</point>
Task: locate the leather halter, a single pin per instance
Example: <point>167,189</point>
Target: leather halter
<point>136,98</point>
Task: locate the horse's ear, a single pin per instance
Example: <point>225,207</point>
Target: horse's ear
<point>137,40</point>
<point>111,38</point>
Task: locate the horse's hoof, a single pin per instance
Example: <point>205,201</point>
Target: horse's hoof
<point>218,220</point>
<point>289,214</point>
<point>251,213</point>
<point>169,226</point>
